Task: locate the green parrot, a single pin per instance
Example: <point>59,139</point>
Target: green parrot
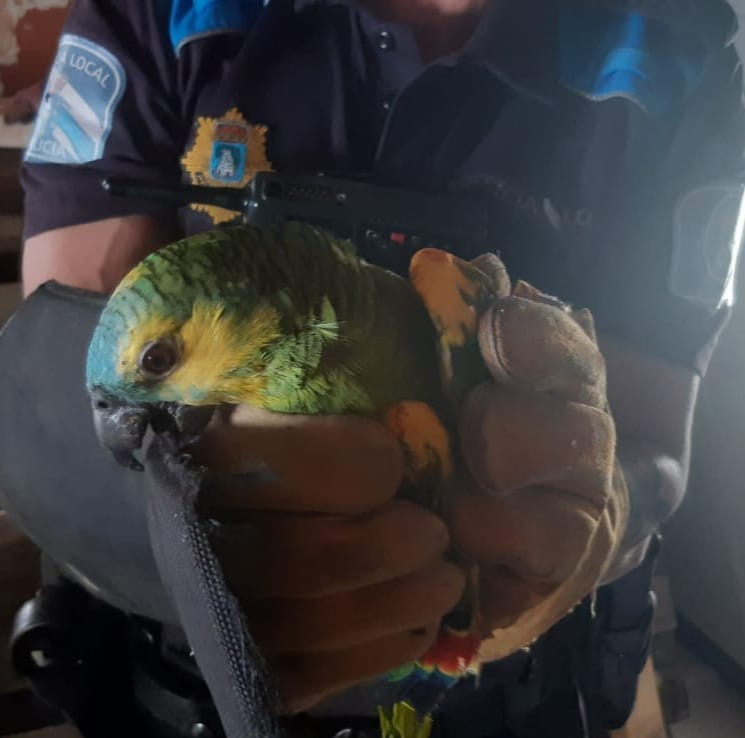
<point>291,320</point>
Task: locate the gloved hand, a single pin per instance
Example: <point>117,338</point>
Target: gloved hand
<point>339,582</point>
<point>546,505</point>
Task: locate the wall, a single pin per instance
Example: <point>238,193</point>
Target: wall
<point>705,546</point>
<point>705,543</point>
<point>739,6</point>
<point>28,36</point>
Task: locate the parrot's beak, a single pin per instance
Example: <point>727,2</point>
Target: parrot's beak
<point>121,427</point>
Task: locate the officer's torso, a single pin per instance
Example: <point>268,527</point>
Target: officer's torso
<point>565,139</point>
<point>557,114</point>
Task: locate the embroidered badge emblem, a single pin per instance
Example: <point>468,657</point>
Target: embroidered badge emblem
<point>226,152</point>
<point>85,85</point>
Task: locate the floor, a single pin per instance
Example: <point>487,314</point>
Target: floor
<point>714,709</point>
<point>696,701</point>
<point>646,721</point>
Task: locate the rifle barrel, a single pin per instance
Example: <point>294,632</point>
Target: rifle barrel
<point>178,193</point>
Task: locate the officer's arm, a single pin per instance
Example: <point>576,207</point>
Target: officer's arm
<point>652,403</point>
<point>93,256</point>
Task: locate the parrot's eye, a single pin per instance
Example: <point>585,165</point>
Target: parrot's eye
<point>158,359</point>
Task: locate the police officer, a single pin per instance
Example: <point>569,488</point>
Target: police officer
<point>607,136</point>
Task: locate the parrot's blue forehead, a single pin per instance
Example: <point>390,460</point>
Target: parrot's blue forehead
<point>101,366</point>
<point>126,321</point>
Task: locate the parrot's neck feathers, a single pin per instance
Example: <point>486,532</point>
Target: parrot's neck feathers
<point>326,324</point>
<point>252,359</point>
<point>328,331</point>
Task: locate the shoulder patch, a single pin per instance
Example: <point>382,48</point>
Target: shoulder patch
<point>708,233</point>
<point>84,87</point>
<point>193,19</point>
<point>610,53</point>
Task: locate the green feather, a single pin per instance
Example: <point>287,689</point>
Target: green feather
<point>354,337</point>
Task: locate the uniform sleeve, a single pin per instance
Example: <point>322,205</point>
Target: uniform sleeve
<point>665,280</point>
<point>110,107</point>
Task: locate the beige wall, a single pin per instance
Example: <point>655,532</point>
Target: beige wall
<point>28,35</point>
<point>705,543</point>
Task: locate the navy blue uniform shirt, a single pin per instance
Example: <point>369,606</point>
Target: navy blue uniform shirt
<point>607,134</point>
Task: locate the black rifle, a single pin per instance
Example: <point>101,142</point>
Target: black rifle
<point>382,221</point>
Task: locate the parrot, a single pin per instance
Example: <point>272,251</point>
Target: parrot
<point>288,318</point>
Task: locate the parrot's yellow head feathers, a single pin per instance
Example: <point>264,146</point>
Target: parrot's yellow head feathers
<point>183,330</point>
<point>177,361</point>
<point>234,316</point>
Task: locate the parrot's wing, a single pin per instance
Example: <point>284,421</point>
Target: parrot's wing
<point>427,449</point>
<point>455,294</point>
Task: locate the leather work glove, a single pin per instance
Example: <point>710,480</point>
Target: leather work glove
<point>339,582</point>
<point>546,506</point>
